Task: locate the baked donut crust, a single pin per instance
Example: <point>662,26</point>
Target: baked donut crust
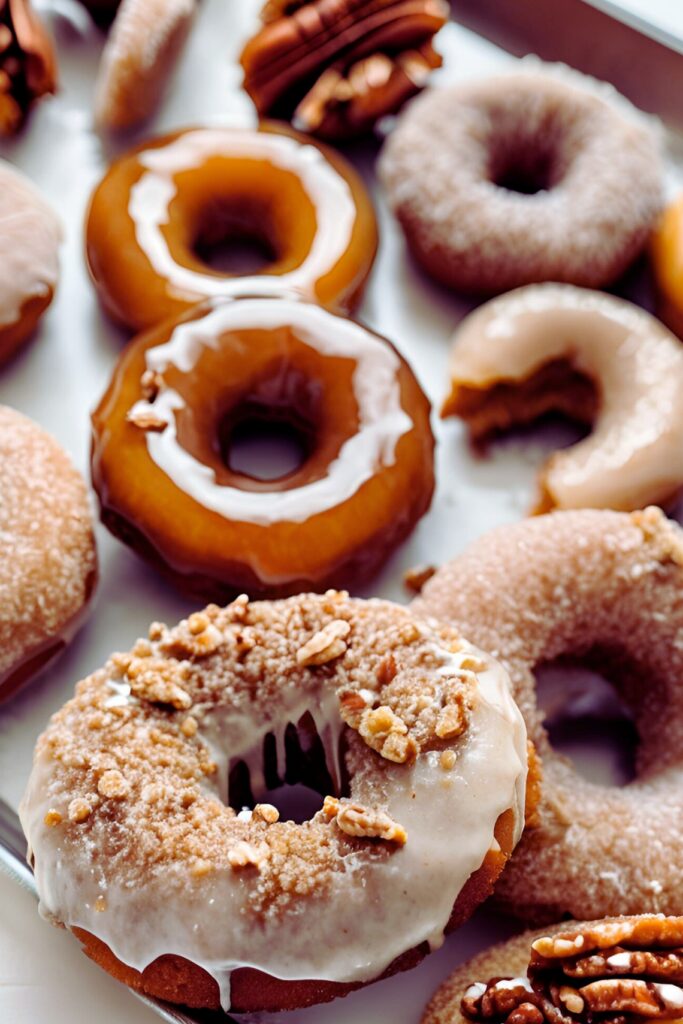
<point>30,234</point>
<point>161,457</point>
<point>421,710</point>
<point>162,204</point>
<point>594,357</point>
<point>48,569</point>
<point>458,168</point>
<point>605,588</point>
<point>667,267</point>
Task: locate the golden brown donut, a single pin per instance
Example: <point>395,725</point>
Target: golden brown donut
<point>48,563</point>
<point>627,969</point>
<point>30,234</point>
<point>606,589</point>
<point>163,206</point>
<point>408,733</point>
<point>667,265</point>
<point>162,437</point>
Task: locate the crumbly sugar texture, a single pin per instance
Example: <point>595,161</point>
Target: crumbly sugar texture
<point>604,588</point>
<point>49,564</point>
<point>130,771</point>
<point>460,164</point>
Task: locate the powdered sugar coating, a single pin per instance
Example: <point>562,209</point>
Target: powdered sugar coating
<point>607,587</point>
<point>599,171</point>
<point>48,563</point>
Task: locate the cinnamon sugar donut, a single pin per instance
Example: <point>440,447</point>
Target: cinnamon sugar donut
<point>162,444</point>
<point>162,208</point>
<point>599,360</point>
<point>627,969</point>
<point>48,564</point>
<point>524,177</point>
<point>605,588</point>
<point>408,732</point>
<point>30,234</point>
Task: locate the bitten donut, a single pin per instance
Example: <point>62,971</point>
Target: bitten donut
<point>48,564</point>
<point>605,588</point>
<point>598,359</point>
<point>30,234</point>
<point>525,177</point>
<point>138,60</point>
<point>625,969</point>
<point>163,431</point>
<point>667,265</point>
<point>408,733</point>
<point>162,208</point>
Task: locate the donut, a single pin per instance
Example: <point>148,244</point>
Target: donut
<point>617,969</point>
<point>48,565</point>
<point>605,588</point>
<point>596,358</point>
<point>162,437</point>
<point>30,234</point>
<point>164,207</point>
<point>148,808</point>
<point>667,265</point>
<point>524,177</point>
<point>139,57</point>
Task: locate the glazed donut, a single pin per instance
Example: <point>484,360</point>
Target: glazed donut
<point>599,360</point>
<point>668,266</point>
<point>624,968</point>
<point>605,588</point>
<point>460,166</point>
<point>408,732</point>
<point>162,434</point>
<point>48,566</point>
<point>164,204</point>
<point>30,234</point>
<point>139,57</point>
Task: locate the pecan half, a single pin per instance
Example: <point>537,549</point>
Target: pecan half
<point>28,67</point>
<point>336,67</point>
<point>614,971</point>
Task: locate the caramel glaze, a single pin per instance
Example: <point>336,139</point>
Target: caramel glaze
<point>309,531</point>
<point>298,200</point>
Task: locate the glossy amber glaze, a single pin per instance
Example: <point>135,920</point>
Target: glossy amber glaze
<point>166,487</point>
<point>161,205</point>
<point>667,261</point>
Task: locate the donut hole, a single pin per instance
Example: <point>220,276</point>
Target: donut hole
<point>587,721</point>
<point>297,786</point>
<point>231,238</point>
<point>265,444</point>
<point>524,170</point>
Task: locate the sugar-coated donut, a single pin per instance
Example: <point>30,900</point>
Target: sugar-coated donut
<point>139,57</point>
<point>163,431</point>
<point>667,264</point>
<point>48,563</point>
<point>627,969</point>
<point>599,359</point>
<point>521,178</point>
<point>162,206</point>
<point>409,734</point>
<point>606,588</point>
<point>30,234</point>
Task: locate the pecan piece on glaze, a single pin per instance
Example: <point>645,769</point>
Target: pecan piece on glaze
<point>28,67</point>
<point>336,67</point>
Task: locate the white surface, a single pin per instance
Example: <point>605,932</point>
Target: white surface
<point>59,378</point>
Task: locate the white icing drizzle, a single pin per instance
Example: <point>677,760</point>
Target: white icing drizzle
<point>374,910</point>
<point>30,233</point>
<point>327,190</point>
<point>376,387</point>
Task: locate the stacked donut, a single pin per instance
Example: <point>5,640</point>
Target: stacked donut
<point>154,789</point>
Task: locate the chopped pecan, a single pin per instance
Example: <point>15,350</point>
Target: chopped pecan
<point>336,67</point>
<point>386,733</point>
<point>28,67</point>
<point>364,822</point>
<point>325,645</point>
<point>416,577</point>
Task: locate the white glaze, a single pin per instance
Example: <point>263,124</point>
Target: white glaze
<point>634,456</point>
<point>326,188</point>
<point>30,233</point>
<point>377,391</point>
<point>374,910</point>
